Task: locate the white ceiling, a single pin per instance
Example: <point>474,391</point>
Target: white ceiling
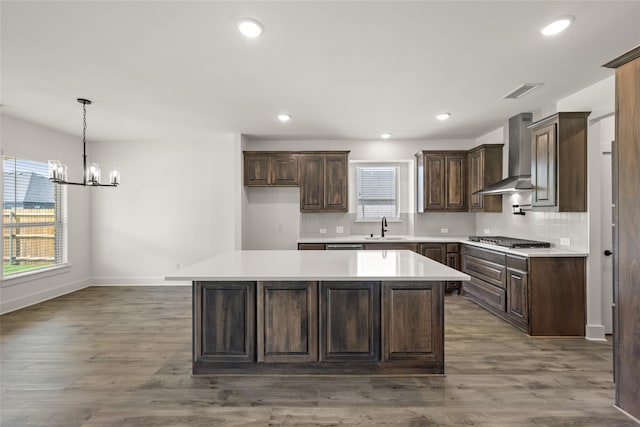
<point>179,70</point>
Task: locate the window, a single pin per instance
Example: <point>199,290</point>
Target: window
<point>377,192</point>
<point>34,223</point>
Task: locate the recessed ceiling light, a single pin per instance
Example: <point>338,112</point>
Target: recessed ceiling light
<point>443,116</point>
<point>250,27</point>
<point>557,26</point>
<point>284,117</point>
<point>385,135</point>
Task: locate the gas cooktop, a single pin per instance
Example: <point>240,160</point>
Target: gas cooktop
<point>509,242</point>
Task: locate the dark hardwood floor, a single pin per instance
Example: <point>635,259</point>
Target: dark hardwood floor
<point>121,356</point>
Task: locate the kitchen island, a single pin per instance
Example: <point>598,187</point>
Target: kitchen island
<point>318,312</point>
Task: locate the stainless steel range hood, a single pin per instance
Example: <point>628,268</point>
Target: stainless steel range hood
<point>519,178</point>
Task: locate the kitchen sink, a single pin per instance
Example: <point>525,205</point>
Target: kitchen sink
<point>385,238</point>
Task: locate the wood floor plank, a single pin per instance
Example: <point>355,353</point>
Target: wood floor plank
<point>121,356</point>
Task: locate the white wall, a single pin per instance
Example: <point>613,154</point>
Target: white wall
<point>177,204</point>
<point>30,141</point>
<point>273,215</point>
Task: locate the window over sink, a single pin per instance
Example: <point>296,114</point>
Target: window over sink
<point>377,191</point>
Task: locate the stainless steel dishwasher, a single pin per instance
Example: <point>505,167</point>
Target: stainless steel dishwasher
<point>344,247</point>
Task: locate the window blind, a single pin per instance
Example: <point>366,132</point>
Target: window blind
<point>377,192</point>
<point>34,217</point>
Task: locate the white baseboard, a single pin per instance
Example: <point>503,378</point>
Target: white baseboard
<point>595,333</point>
<point>134,281</point>
<point>37,297</point>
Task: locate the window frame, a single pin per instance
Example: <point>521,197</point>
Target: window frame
<point>60,264</point>
<point>356,199</point>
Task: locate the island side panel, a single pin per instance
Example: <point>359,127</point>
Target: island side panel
<point>413,329</point>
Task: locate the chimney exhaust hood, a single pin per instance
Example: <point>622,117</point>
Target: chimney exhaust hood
<point>519,178</point>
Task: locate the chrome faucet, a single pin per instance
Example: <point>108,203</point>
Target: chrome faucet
<point>384,224</point>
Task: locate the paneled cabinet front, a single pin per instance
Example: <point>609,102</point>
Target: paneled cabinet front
<point>349,321</point>
<point>323,182</point>
<point>413,318</point>
<point>264,168</point>
<point>224,322</point>
<point>559,162</point>
<point>287,321</point>
<point>442,181</point>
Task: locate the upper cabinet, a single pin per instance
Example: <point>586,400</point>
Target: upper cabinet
<point>559,162</point>
<point>485,168</point>
<point>264,168</point>
<point>323,181</point>
<point>442,181</point>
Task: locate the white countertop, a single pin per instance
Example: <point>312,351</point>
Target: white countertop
<point>377,239</point>
<point>531,253</point>
<point>400,265</point>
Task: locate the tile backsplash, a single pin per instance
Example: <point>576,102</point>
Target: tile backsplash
<point>544,226</point>
<point>312,223</point>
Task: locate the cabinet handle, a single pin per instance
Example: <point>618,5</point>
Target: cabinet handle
<point>608,253</point>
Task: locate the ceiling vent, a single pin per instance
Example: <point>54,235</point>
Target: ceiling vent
<point>522,90</point>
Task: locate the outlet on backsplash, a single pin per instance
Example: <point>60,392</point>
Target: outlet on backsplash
<point>339,229</point>
<point>564,241</point>
<point>323,231</point>
<point>487,231</point>
<point>444,230</point>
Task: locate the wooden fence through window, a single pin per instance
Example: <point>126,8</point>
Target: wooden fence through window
<point>29,245</point>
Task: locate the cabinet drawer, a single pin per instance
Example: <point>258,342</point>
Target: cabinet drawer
<point>485,294</point>
<point>517,263</point>
<point>494,273</point>
<point>486,254</point>
<point>453,247</point>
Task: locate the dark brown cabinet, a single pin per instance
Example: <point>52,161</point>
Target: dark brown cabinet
<point>323,182</point>
<point>542,296</point>
<point>444,253</point>
<point>264,168</point>
<point>226,331</point>
<point>413,318</point>
<point>518,290</point>
<point>559,162</point>
<point>287,322</point>
<point>442,181</point>
<point>349,321</point>
<point>485,168</point>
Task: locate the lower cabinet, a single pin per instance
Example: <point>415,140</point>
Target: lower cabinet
<point>542,296</point>
<point>224,322</point>
<point>518,290</point>
<point>311,327</point>
<point>350,321</point>
<point>447,254</point>
<point>414,317</point>
<point>287,321</point>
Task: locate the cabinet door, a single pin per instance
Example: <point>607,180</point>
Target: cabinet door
<point>476,179</point>
<point>284,169</point>
<point>287,322</point>
<point>349,321</point>
<point>256,170</point>
<point>413,320</point>
<point>224,322</point>
<point>335,182</point>
<point>435,251</point>
<point>312,182</point>
<point>434,182</point>
<point>453,261</point>
<point>456,182</point>
<point>543,166</point>
<point>518,296</point>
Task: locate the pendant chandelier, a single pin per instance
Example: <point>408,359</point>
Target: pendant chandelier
<point>91,171</point>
